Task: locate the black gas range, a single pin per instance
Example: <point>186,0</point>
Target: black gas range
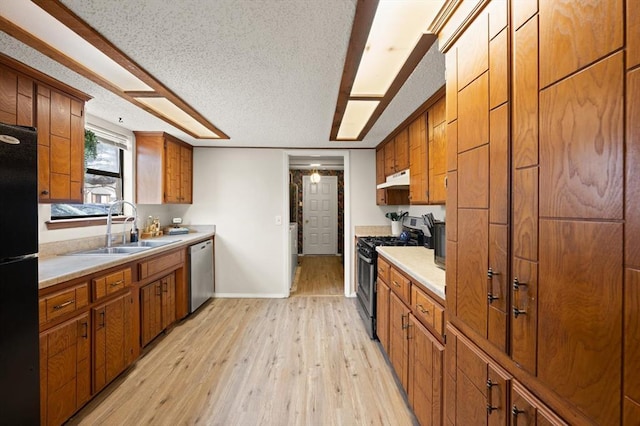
<point>414,233</point>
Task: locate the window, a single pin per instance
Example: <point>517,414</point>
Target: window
<point>103,178</point>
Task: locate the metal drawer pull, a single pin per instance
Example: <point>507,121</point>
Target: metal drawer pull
<point>117,283</point>
<point>491,273</point>
<point>491,297</point>
<point>490,407</point>
<point>404,326</point>
<point>422,309</point>
<point>62,305</point>
<point>514,414</point>
<point>517,284</point>
<point>517,312</point>
<point>395,283</point>
<point>86,329</point>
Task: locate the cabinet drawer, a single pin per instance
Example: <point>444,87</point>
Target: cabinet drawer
<point>162,263</point>
<point>63,302</point>
<point>110,283</point>
<point>400,285</point>
<point>428,311</point>
<point>383,270</point>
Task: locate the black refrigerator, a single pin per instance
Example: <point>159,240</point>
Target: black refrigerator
<point>19,350</point>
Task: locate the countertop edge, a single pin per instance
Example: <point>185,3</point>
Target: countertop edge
<point>437,290</point>
<point>99,263</point>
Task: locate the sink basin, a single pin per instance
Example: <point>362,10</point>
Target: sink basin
<point>122,250</point>
<point>150,244</point>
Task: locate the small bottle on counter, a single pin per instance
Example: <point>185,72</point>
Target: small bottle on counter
<point>134,235</point>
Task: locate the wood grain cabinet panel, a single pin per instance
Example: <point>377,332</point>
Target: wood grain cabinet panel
<point>382,313</point>
<point>65,352</point>
<point>526,409</point>
<point>498,17</point>
<point>580,315</point>
<point>8,95</point>
<point>524,311</point>
<point>581,143</point>
<point>150,311</point>
<point>400,285</point>
<point>418,187</point>
<point>499,69</point>
<point>451,69</point>
<point>631,412</point>
<point>632,173</point>
<point>112,346</point>
<point>473,178</point>
<point>565,46</point>
<point>525,213</point>
<point>499,163</point>
<point>402,150</point>
<point>390,158</point>
<point>632,335</point>
<point>473,114</point>
<point>472,262</point>
<point>164,169</point>
<point>452,146</point>
<point>633,34</point>
<point>452,206</point>
<point>522,11</point>
<point>380,177</point>
<point>525,95</point>
<point>497,286</point>
<point>451,288</point>
<point>398,343</point>
<point>425,374</point>
<point>473,51</point>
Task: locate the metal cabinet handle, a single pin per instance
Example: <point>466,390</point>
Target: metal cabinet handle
<point>517,312</point>
<point>490,407</point>
<point>158,290</point>
<point>102,317</point>
<point>517,284</point>
<point>404,326</point>
<point>422,309</point>
<point>44,192</point>
<point>62,305</point>
<point>491,273</point>
<point>514,414</point>
<point>395,283</point>
<point>166,287</point>
<point>85,334</point>
<point>491,297</point>
<point>117,283</point>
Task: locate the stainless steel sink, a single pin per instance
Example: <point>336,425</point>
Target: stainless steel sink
<point>121,250</point>
<point>150,244</point>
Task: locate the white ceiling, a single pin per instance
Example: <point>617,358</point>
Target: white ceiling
<point>265,72</point>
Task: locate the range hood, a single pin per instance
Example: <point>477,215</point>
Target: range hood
<point>397,180</point>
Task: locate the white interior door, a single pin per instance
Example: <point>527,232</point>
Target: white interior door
<point>320,216</point>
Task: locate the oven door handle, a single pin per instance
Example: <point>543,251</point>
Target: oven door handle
<point>366,259</point>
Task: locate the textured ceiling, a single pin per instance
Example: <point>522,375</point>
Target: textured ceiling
<point>266,72</point>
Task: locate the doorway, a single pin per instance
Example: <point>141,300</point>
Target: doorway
<point>320,216</point>
<point>301,163</point>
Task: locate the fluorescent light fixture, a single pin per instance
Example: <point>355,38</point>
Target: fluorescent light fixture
<point>396,29</point>
<point>168,109</point>
<point>315,165</point>
<point>355,117</point>
<point>45,27</point>
<point>55,31</point>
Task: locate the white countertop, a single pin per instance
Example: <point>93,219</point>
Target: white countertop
<point>56,269</point>
<point>417,262</point>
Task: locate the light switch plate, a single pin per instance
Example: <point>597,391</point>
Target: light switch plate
<point>278,220</point>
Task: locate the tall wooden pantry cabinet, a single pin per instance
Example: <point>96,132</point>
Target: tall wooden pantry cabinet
<point>543,211</point>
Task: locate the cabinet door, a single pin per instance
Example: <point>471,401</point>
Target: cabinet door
<point>382,313</point>
<point>168,300</point>
<point>398,343</point>
<point>418,161</point>
<point>425,374</point>
<point>151,311</point>
<point>186,175</point>
<point>172,172</point>
<point>64,369</point>
<point>390,158</point>
<point>527,410</point>
<point>16,98</point>
<point>402,150</point>
<point>112,348</point>
<point>60,122</point>
<point>482,387</point>
<point>380,177</point>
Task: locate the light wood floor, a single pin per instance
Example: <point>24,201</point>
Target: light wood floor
<point>319,276</point>
<point>300,361</point>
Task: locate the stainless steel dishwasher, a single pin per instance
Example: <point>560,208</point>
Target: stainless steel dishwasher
<point>201,277</point>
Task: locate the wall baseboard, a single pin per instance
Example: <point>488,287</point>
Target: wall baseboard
<point>250,295</point>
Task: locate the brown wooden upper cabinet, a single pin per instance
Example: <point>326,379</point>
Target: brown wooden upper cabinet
<point>420,146</point>
<point>30,98</point>
<point>164,169</point>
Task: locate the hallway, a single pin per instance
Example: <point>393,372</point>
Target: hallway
<point>319,276</point>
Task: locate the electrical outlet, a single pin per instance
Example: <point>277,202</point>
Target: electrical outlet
<point>278,220</point>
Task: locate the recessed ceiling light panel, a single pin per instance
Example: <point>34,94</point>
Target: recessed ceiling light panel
<point>355,117</point>
<point>175,114</point>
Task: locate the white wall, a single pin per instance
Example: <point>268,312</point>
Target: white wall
<point>240,191</point>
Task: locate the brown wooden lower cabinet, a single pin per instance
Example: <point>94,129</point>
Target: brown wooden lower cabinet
<point>426,357</point>
<point>65,374</point>
<point>157,306</point>
<point>382,313</point>
<point>113,349</point>
<point>527,410</point>
<point>398,342</point>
